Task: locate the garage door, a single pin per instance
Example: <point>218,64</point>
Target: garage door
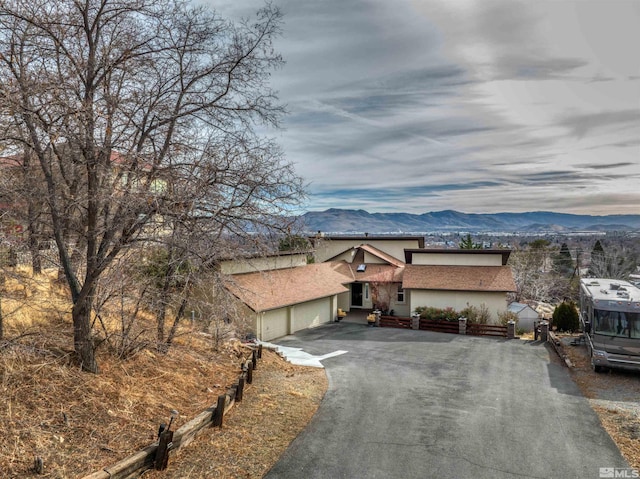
<point>312,313</point>
<point>274,324</point>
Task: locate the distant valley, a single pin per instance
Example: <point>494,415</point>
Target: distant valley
<point>359,221</point>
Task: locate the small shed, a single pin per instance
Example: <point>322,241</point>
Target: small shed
<point>527,316</point>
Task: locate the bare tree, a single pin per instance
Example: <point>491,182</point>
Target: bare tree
<point>221,314</point>
<point>616,262</point>
<point>139,113</point>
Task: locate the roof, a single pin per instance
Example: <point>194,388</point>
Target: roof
<point>266,290</point>
<point>516,307</point>
<point>605,289</point>
<point>408,253</point>
<point>377,273</point>
<point>458,278</point>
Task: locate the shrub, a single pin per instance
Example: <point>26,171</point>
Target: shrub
<point>565,317</point>
<point>506,316</point>
<point>475,314</point>
<point>437,314</point>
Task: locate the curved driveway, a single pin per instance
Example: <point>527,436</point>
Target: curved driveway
<point>417,404</point>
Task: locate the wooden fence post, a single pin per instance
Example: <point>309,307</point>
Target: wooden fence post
<point>162,453</point>
<point>38,465</point>
<point>254,359</point>
<point>218,414</point>
<point>240,389</point>
<point>249,373</point>
<point>259,351</point>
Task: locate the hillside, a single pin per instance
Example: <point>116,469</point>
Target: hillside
<point>358,221</point>
<point>78,422</point>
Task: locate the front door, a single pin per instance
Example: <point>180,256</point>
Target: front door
<point>356,295</point>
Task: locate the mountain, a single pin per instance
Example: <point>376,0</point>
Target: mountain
<point>336,220</point>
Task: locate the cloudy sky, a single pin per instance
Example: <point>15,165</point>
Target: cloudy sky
<point>474,105</point>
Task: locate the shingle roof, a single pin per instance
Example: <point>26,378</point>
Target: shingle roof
<point>273,289</point>
<point>377,273</point>
<point>458,278</point>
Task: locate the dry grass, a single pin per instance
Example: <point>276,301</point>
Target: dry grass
<point>276,408</point>
<point>79,422</point>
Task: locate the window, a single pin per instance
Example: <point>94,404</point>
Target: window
<point>361,268</point>
<point>617,323</point>
<point>400,295</point>
<point>366,291</point>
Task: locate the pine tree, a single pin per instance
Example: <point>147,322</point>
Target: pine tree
<point>563,261</point>
<point>467,243</point>
<point>598,259</point>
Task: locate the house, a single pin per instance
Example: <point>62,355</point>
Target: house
<point>527,316</point>
<point>457,278</point>
<point>394,274</point>
<point>283,301</point>
<point>252,263</point>
<point>327,247</point>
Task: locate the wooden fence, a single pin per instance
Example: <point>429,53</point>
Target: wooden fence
<point>156,455</point>
<point>486,330</point>
<point>451,327</point>
<point>395,322</point>
<point>439,326</point>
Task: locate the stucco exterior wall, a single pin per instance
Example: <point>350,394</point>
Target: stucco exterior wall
<point>346,256</point>
<point>329,248</point>
<point>458,259</point>
<point>401,309</point>
<point>371,259</point>
<point>250,265</point>
<point>343,302</point>
<point>458,300</point>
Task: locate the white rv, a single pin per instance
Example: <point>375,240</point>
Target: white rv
<point>610,315</point>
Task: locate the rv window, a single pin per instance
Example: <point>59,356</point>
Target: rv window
<point>617,323</point>
<point>634,324</point>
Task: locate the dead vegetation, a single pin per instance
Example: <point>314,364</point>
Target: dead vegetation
<point>78,422</point>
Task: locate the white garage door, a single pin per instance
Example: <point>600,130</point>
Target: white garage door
<point>312,313</point>
<point>274,324</point>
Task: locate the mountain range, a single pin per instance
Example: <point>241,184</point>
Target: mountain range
<point>336,220</point>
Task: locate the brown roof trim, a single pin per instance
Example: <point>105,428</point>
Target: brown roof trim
<point>408,253</point>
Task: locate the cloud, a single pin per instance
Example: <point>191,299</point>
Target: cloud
<point>472,105</point>
<point>605,166</point>
<point>581,125</point>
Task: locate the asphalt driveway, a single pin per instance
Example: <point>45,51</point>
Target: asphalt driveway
<point>417,404</point>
